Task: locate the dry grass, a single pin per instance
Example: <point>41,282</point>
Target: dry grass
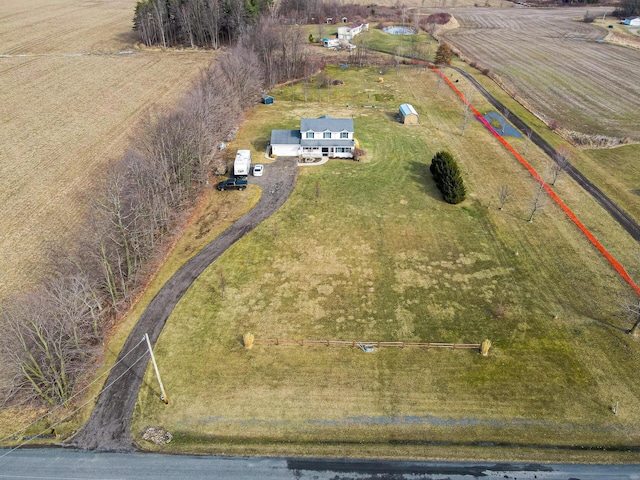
<point>65,118</point>
<point>558,64</point>
<point>378,255</point>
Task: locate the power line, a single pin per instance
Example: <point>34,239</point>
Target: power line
<point>17,432</point>
<point>76,410</point>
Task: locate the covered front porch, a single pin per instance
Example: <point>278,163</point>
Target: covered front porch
<point>330,152</point>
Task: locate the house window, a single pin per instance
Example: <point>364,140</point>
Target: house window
<point>344,134</point>
<point>309,134</point>
<point>327,135</point>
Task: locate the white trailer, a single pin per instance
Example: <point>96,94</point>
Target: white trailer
<point>331,42</point>
<point>242,163</point>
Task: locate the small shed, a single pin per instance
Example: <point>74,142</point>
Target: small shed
<point>634,22</point>
<point>267,99</point>
<point>408,114</point>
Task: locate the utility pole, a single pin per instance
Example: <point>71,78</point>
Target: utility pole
<point>163,396</point>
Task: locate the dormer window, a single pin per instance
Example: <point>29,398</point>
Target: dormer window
<point>309,134</point>
<point>344,134</point>
<point>326,135</point>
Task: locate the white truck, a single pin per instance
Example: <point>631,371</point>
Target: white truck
<point>242,163</point>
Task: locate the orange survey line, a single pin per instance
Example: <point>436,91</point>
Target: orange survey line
<point>614,263</point>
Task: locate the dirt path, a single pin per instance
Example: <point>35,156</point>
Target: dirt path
<point>108,428</point>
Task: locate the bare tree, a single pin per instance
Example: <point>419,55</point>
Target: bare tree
<point>160,16</point>
<point>320,29</point>
<point>526,144</point>
<point>630,310</point>
<point>184,13</point>
<point>504,194</point>
<point>466,111</point>
<point>213,18</point>
<point>45,339</point>
<point>561,162</point>
<point>538,201</point>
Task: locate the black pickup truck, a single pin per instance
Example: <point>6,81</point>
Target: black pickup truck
<point>230,183</point>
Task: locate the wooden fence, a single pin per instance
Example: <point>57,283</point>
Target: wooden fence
<point>360,344</point>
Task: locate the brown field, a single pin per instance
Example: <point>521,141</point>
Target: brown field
<point>558,64</point>
<point>70,104</point>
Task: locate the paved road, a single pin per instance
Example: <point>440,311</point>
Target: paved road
<point>619,215</point>
<point>59,464</point>
<point>109,425</point>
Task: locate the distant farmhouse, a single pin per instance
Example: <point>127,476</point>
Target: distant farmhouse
<point>318,137</point>
<point>347,32</point>
<point>632,21</point>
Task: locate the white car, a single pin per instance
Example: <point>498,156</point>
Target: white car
<point>257,170</point>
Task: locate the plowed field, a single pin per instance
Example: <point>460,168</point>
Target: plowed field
<point>560,65</point>
<point>70,104</point>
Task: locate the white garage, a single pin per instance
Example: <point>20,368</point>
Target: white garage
<point>285,143</point>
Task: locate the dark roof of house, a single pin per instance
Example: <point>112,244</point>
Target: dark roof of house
<point>327,142</point>
<point>285,137</point>
<point>326,123</point>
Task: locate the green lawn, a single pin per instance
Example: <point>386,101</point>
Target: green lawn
<point>369,251</point>
<point>617,172</point>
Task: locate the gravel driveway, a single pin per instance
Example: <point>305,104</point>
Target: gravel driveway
<point>108,428</point>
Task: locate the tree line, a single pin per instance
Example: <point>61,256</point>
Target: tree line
<point>201,23</point>
<point>627,8</point>
<point>50,336</point>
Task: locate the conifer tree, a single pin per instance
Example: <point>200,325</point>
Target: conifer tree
<point>448,178</point>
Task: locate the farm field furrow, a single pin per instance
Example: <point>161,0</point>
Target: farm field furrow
<point>558,64</point>
<point>65,118</point>
<point>63,26</point>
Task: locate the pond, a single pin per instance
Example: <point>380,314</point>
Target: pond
<point>501,126</point>
<point>400,30</point>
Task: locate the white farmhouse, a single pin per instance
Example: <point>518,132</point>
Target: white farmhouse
<point>318,137</point>
<point>347,32</point>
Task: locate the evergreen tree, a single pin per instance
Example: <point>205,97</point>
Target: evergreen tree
<point>448,178</point>
<point>443,55</point>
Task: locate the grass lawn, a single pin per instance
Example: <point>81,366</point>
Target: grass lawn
<point>369,251</point>
<point>617,172</point>
<point>614,170</point>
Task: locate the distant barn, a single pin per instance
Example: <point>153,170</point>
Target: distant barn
<point>267,99</point>
<point>408,114</point>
